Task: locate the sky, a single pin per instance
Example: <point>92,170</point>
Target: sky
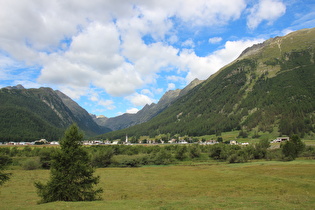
<point>115,56</point>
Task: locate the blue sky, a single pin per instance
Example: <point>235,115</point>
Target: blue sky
<point>114,57</point>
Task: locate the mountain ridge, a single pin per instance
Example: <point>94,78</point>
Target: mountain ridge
<point>148,111</point>
<point>30,114</point>
<point>269,86</point>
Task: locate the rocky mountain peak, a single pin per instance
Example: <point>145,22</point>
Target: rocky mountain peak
<point>17,87</point>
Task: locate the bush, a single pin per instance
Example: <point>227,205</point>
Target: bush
<point>163,157</point>
<point>309,152</point>
<point>194,151</point>
<point>102,158</point>
<point>275,154</point>
<point>31,164</point>
<point>129,161</point>
<point>291,149</point>
<point>45,156</point>
<point>181,153</point>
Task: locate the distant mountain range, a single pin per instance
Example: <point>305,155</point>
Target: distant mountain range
<point>30,114</point>
<point>269,87</point>
<point>147,112</point>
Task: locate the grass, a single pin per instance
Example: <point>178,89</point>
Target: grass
<point>255,185</point>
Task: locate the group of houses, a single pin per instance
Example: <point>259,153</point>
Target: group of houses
<point>127,142</point>
<point>37,142</point>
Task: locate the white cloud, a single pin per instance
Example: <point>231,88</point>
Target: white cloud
<point>215,40</point>
<point>158,90</point>
<point>98,50</point>
<point>286,31</point>
<point>132,111</point>
<point>188,43</point>
<point>173,39</point>
<point>268,10</point>
<point>74,93</point>
<point>139,99</point>
<point>79,44</point>
<point>108,104</point>
<point>203,67</point>
<point>210,12</point>
<point>175,78</point>
<point>147,92</point>
<point>171,86</point>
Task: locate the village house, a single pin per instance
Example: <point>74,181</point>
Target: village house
<point>280,139</point>
<point>233,142</point>
<point>211,142</point>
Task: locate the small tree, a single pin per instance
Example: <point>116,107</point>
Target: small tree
<point>71,172</point>
<point>4,161</point>
<point>291,149</point>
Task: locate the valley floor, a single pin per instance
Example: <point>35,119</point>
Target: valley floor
<point>254,185</point>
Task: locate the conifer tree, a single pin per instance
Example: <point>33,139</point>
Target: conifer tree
<point>291,149</point>
<point>71,172</point>
<point>4,161</point>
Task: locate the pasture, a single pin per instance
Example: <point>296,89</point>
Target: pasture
<point>253,185</point>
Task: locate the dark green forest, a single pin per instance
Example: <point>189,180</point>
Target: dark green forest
<point>32,114</point>
<point>26,118</point>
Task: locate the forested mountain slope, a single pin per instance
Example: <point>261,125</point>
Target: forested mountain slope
<point>30,114</point>
<point>270,85</point>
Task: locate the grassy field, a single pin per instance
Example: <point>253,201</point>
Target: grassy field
<point>255,185</point>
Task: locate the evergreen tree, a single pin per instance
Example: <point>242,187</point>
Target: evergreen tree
<point>71,172</point>
<point>4,161</point>
<point>291,149</point>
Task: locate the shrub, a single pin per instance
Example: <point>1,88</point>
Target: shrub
<point>163,157</point>
<point>102,158</point>
<point>45,156</point>
<point>31,164</point>
<point>309,152</point>
<point>181,153</point>
<point>129,161</point>
<point>194,151</point>
<point>291,149</point>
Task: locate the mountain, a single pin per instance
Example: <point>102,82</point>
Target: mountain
<point>147,112</point>
<point>100,119</point>
<point>29,114</point>
<point>269,86</point>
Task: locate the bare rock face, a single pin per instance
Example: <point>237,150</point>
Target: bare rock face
<point>17,87</point>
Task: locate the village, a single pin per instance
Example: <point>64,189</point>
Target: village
<point>144,142</point>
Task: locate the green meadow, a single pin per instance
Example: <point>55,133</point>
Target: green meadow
<point>213,185</point>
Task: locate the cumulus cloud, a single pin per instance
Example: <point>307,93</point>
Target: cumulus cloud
<point>75,45</point>
<point>108,104</point>
<point>265,10</point>
<point>203,67</point>
<point>139,99</point>
<point>210,12</point>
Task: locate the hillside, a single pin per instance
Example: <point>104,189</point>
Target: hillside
<point>271,85</point>
<point>30,114</point>
<point>147,112</point>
